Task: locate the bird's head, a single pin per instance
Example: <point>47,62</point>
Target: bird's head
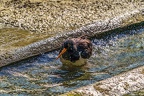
<point>67,46</point>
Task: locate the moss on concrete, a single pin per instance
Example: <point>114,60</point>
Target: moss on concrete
<point>73,94</point>
<point>14,38</point>
<point>101,90</point>
<point>143,71</point>
<point>136,93</point>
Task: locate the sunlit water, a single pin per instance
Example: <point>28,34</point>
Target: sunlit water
<point>113,53</point>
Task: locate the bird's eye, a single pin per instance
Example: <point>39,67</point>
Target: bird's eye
<point>68,45</point>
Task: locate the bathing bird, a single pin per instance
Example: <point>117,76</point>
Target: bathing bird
<point>75,51</point>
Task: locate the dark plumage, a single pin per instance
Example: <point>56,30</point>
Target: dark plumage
<point>75,51</point>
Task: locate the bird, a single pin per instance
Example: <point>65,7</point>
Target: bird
<point>74,52</point>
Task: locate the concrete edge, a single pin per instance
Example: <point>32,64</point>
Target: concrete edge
<point>115,86</point>
<point>53,43</point>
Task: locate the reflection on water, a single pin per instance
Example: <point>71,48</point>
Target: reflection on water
<point>113,53</point>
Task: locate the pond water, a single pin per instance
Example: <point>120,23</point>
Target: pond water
<point>117,51</point>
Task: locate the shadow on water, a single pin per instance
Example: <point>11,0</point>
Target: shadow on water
<point>115,52</point>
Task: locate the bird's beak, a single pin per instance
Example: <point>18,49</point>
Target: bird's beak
<point>62,52</point>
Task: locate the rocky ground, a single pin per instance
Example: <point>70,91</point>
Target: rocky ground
<point>56,16</point>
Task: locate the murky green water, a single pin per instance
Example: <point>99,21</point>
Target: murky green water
<point>113,54</point>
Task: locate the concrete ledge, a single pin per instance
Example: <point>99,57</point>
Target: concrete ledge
<point>115,86</point>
